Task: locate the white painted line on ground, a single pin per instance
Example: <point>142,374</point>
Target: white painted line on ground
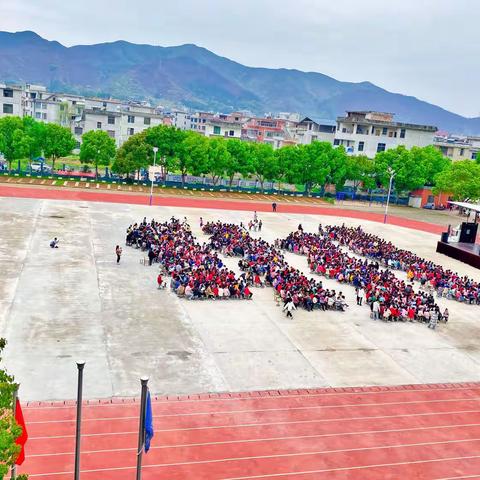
<point>201,462</point>
<point>286,409</point>
<point>250,425</point>
<point>257,440</point>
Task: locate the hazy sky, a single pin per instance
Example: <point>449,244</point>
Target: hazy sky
<point>426,48</point>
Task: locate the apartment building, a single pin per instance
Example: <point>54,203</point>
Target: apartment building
<point>119,119</point>
<point>458,148</point>
<point>308,130</point>
<point>369,132</point>
<point>10,100</point>
<point>268,130</point>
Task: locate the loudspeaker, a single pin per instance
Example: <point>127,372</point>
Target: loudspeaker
<point>444,237</point>
<point>468,233</point>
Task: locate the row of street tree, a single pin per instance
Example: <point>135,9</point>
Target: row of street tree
<point>313,166</point>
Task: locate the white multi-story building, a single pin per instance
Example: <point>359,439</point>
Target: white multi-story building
<point>308,130</point>
<point>11,100</point>
<point>457,147</point>
<point>368,133</point>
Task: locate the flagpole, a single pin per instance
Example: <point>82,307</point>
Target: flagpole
<point>80,366</point>
<point>141,426</point>
<point>15,396</point>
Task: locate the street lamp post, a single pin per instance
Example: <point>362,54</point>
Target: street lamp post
<point>155,150</point>
<point>392,174</point>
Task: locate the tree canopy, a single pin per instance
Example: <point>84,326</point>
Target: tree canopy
<point>97,148</point>
<point>9,429</point>
<point>462,179</point>
<point>58,142</point>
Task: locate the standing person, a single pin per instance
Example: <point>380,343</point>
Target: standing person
<point>201,222</point>
<point>289,307</point>
<point>360,295</point>
<point>274,207</point>
<point>260,225</point>
<point>118,253</point>
<point>445,315</point>
<point>255,218</point>
<point>376,309</point>
<point>160,281</point>
<point>433,319</point>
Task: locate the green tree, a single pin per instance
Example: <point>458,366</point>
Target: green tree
<point>432,160</point>
<point>9,429</point>
<point>168,140</point>
<point>264,162</point>
<point>288,158</point>
<point>360,170</point>
<point>58,142</point>
<point>218,158</point>
<point>12,142</point>
<point>34,137</point>
<point>320,164</point>
<point>239,161</point>
<point>462,179</point>
<point>193,154</point>
<point>409,174</point>
<point>97,148</point>
<point>133,155</point>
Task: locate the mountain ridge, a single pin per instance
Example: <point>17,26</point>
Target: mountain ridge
<point>194,77</point>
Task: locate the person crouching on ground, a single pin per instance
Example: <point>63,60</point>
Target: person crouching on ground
<point>54,243</point>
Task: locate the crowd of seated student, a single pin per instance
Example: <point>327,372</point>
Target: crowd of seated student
<point>263,263</point>
<point>196,271</point>
<point>389,298</point>
<point>445,282</point>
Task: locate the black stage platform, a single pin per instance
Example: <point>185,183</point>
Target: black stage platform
<point>465,252</point>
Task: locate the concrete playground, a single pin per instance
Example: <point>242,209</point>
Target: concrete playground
<point>75,302</point>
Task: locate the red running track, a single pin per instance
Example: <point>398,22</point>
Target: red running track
<point>83,195</point>
<point>378,433</point>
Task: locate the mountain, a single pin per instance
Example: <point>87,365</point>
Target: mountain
<point>194,77</point>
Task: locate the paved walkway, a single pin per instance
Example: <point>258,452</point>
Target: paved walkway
<point>79,195</point>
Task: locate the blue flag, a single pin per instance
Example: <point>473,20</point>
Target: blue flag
<point>148,423</point>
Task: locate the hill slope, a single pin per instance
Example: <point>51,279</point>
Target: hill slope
<point>197,78</point>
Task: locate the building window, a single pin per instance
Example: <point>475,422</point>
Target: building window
<point>373,129</point>
<point>231,133</point>
<point>381,147</point>
<point>131,131</point>
<point>131,119</point>
<point>8,92</point>
<point>462,151</point>
<point>384,130</point>
<point>44,116</point>
<point>402,133</point>
<point>361,146</point>
<point>146,120</point>
<point>8,108</point>
<point>336,141</point>
<point>104,104</point>
<point>99,124</point>
<point>474,155</point>
<point>111,120</point>
<point>38,115</point>
<point>111,133</point>
<point>78,130</point>
<point>377,132</point>
<point>216,130</point>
